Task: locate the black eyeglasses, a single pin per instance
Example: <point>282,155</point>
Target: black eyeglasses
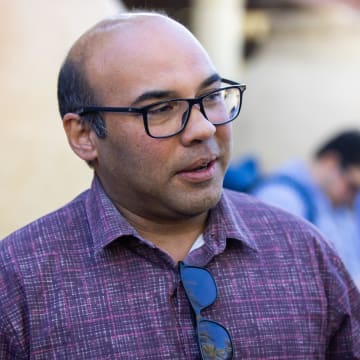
<point>213,338</point>
<point>168,118</point>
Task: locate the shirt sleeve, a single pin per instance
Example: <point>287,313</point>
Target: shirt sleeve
<point>343,331</point>
<point>10,348</point>
<point>12,316</point>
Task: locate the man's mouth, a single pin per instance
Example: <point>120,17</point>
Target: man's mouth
<point>201,167</point>
<point>199,171</point>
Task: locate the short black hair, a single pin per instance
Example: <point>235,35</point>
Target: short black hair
<point>346,144</point>
<point>74,92</point>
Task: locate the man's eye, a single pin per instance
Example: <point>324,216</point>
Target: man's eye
<point>162,108</point>
<point>214,96</point>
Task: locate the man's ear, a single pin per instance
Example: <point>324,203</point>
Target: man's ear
<point>81,137</point>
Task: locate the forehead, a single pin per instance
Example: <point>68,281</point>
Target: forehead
<point>154,53</point>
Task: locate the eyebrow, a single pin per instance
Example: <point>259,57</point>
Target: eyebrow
<point>162,94</point>
<point>210,80</point>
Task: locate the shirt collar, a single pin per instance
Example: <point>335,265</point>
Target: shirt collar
<point>107,224</point>
<point>226,222</point>
<point>105,221</point>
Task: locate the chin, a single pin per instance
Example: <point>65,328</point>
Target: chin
<point>196,204</point>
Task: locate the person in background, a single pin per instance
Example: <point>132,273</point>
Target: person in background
<point>324,191</point>
<point>156,260</point>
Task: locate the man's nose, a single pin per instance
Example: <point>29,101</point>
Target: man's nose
<point>198,127</point>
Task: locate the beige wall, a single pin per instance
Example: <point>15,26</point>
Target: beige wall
<point>303,85</point>
<point>218,24</point>
<point>38,171</point>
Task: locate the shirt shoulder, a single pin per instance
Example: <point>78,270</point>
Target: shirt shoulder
<point>295,261</point>
<point>48,233</point>
<point>25,256</point>
<point>269,225</point>
<point>282,235</point>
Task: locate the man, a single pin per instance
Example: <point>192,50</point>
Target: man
<point>129,269</point>
<point>324,191</point>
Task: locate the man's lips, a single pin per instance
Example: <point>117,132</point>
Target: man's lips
<point>200,170</point>
<point>198,164</point>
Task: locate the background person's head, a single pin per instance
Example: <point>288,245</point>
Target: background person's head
<point>132,61</point>
<point>339,162</point>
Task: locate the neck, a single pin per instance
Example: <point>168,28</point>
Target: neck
<point>175,236</point>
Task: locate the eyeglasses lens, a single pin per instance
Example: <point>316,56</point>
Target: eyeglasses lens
<point>170,117</point>
<point>222,106</point>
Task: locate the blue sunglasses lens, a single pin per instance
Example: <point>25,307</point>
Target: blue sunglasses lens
<point>200,287</point>
<point>213,338</point>
<point>215,341</point>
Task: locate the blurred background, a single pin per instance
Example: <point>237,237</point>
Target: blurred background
<point>299,58</point>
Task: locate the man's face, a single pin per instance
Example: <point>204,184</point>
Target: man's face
<point>158,179</point>
<point>345,186</point>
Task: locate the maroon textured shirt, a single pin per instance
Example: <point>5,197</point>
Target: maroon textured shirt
<point>80,283</point>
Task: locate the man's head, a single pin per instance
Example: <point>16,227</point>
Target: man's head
<point>135,60</point>
<point>340,163</point>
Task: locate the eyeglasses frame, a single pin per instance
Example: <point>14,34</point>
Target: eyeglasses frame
<point>144,110</point>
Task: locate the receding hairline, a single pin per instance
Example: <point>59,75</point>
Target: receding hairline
<point>79,51</point>
<point>81,54</point>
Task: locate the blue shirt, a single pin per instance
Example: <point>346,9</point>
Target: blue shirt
<point>337,224</point>
<point>81,283</point>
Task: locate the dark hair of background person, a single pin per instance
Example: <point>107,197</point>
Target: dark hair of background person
<point>346,145</point>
